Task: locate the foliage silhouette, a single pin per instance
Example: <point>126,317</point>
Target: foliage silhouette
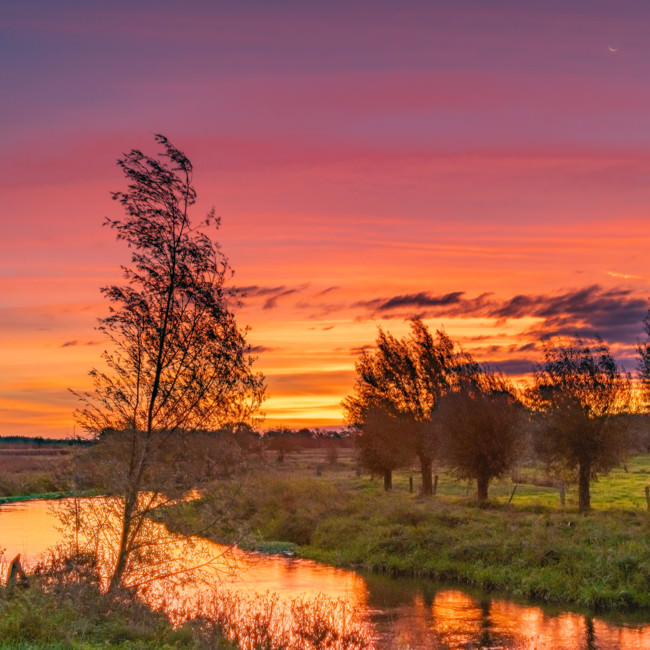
<point>408,376</point>
<point>380,441</point>
<point>479,425</point>
<point>644,360</point>
<point>178,362</point>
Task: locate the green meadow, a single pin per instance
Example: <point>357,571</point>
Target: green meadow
<point>524,544</point>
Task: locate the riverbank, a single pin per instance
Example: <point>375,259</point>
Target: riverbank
<point>18,498</point>
<point>528,547</point>
<point>59,604</point>
<point>599,561</point>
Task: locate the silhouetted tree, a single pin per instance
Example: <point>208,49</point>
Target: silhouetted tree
<point>380,442</point>
<point>581,390</point>
<point>408,375</point>
<point>177,360</point>
<point>644,360</point>
<point>479,423</point>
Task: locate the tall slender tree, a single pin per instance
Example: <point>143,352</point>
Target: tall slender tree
<point>177,361</point>
<point>644,360</point>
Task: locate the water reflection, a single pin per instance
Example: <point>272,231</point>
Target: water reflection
<point>419,614</point>
<point>404,613</point>
<point>27,528</point>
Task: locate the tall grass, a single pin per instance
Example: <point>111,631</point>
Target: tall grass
<point>64,607</point>
<point>263,622</point>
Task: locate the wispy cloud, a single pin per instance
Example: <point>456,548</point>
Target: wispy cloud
<point>270,294</point>
<point>261,349</point>
<point>624,276</point>
<point>417,300</point>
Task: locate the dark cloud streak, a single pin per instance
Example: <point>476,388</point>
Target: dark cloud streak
<point>613,314</point>
<point>272,294</point>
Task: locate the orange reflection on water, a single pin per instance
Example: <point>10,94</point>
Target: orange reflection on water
<point>256,579</point>
<point>411,627</point>
<point>610,636</point>
<point>457,619</point>
<point>294,577</point>
<point>28,528</point>
<point>534,629</point>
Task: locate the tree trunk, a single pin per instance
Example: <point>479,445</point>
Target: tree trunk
<point>123,552</point>
<point>426,465</point>
<point>584,479</point>
<point>388,480</point>
<point>482,483</point>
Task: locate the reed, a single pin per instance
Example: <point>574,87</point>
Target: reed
<point>64,607</point>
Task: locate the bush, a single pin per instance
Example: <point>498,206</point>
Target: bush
<point>63,606</point>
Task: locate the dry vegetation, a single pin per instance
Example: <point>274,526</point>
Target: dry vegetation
<point>30,467</point>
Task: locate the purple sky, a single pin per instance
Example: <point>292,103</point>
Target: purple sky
<point>368,159</point>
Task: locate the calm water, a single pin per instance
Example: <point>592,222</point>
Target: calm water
<point>402,613</point>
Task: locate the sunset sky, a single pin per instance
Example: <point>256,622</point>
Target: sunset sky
<point>483,165</point>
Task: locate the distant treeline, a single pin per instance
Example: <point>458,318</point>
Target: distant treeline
<point>301,438</point>
<point>39,441</point>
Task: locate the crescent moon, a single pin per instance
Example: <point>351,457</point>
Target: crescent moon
<point>612,49</point>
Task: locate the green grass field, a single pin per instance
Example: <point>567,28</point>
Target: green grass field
<point>621,489</point>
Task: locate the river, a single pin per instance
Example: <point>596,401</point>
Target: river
<point>402,613</point>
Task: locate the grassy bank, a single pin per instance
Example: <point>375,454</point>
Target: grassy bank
<point>530,548</point>
<point>17,498</point>
<point>63,607</point>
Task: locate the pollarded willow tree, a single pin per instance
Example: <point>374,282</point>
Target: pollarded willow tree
<point>480,423</point>
<point>408,376</point>
<point>178,362</point>
<point>380,441</point>
<point>582,391</point>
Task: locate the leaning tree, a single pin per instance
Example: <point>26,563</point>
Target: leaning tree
<point>581,390</point>
<point>408,376</point>
<point>644,360</point>
<point>177,362</point>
